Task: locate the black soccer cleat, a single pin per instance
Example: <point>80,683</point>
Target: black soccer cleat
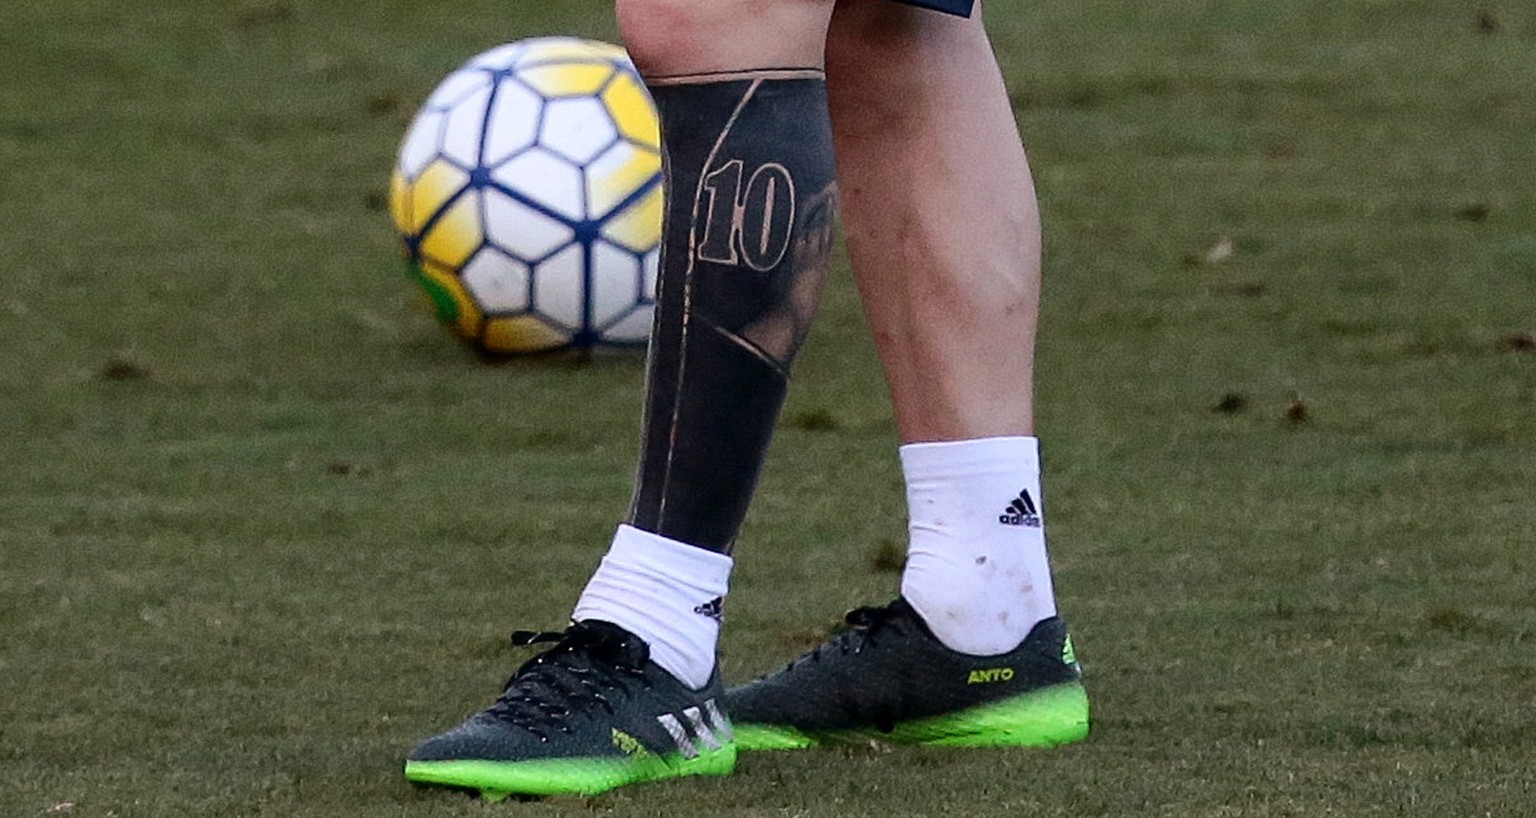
<point>888,678</point>
<point>589,714</point>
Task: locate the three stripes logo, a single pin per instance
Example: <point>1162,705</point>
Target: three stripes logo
<point>698,726</point>
<point>714,609</point>
<point>1021,511</point>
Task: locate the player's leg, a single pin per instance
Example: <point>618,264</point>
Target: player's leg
<point>630,691</point>
<point>751,205</point>
<point>941,223</point>
<point>944,234</point>
<point>941,219</point>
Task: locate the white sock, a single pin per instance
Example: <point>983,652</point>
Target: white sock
<point>665,592</point>
<point>976,564</point>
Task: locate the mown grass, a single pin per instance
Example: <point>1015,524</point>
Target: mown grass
<point>263,525</point>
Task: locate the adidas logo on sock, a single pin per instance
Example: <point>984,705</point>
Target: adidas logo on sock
<point>1021,511</point>
<point>714,609</point>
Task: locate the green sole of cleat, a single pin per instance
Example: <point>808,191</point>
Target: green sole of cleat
<point>1043,718</point>
<point>497,780</point>
<point>771,737</point>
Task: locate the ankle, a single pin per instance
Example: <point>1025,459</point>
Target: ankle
<point>665,592</point>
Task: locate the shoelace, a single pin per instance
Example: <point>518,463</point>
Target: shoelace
<point>863,625</point>
<point>588,663</point>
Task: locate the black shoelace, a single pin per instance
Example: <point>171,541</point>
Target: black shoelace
<point>589,663</point>
<point>863,626</point>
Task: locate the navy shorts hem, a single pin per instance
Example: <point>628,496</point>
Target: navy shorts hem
<point>958,7</point>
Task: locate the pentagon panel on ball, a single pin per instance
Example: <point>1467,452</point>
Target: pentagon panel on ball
<point>528,195</point>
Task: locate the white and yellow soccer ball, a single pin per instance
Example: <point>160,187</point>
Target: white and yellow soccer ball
<point>528,195</point>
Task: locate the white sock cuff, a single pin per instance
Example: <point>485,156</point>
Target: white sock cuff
<point>963,458</point>
<point>701,568</point>
<point>661,590</point>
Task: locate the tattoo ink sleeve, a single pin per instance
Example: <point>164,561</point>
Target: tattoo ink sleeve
<point>746,243</point>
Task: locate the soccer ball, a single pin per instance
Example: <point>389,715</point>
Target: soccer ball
<point>528,195</point>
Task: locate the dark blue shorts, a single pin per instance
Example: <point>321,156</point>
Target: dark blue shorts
<point>960,7</point>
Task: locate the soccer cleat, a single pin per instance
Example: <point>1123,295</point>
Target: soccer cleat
<point>589,714</point>
<point>888,678</point>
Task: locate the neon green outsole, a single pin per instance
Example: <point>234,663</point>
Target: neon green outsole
<point>496,780</point>
<point>1042,718</point>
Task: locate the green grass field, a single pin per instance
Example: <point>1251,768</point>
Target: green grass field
<point>263,524</point>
